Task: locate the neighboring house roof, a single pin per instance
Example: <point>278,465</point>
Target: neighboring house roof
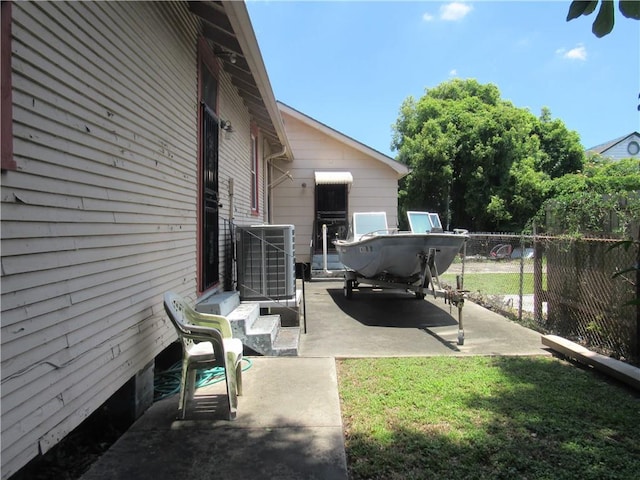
<point>398,167</point>
<point>603,147</point>
<point>228,26</point>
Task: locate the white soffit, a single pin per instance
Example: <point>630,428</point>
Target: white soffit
<point>325,178</point>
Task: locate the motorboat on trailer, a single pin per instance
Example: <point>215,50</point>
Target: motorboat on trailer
<point>378,255</point>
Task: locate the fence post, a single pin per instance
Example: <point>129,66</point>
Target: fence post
<point>521,277</point>
<point>304,301</point>
<point>537,278</point>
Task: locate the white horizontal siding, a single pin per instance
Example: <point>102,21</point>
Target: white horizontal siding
<point>234,166</point>
<point>98,221</point>
<point>235,155</point>
<point>374,187</point>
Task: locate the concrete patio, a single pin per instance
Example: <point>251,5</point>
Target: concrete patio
<point>289,424</point>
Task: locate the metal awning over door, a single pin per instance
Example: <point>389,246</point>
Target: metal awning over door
<point>333,178</point>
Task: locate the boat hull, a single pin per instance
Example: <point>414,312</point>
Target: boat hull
<point>399,255</point>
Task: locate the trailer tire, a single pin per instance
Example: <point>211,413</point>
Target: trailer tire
<point>348,289</point>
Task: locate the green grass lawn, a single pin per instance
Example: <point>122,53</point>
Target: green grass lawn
<point>486,418</point>
<point>496,283</point>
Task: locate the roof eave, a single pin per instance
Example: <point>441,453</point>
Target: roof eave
<point>241,23</point>
<point>400,169</point>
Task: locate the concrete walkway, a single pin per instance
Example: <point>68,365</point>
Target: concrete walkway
<point>289,424</point>
<point>288,427</point>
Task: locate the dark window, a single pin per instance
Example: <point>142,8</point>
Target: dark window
<point>209,88</point>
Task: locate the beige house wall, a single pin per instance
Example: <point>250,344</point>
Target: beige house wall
<point>99,218</point>
<point>374,187</point>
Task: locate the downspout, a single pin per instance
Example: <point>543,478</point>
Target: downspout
<point>276,155</point>
<point>267,161</point>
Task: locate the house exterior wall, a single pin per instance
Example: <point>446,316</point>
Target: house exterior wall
<point>621,149</point>
<point>374,187</point>
<point>100,217</point>
<point>235,160</point>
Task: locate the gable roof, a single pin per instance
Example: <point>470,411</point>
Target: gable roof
<point>398,167</point>
<point>603,147</point>
<point>227,26</point>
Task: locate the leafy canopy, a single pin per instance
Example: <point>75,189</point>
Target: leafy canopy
<point>603,198</point>
<point>477,159</point>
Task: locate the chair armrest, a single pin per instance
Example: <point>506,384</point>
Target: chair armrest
<point>202,333</point>
<point>218,322</point>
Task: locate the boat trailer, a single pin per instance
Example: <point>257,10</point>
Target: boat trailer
<point>425,282</point>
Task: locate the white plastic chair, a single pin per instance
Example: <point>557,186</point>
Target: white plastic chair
<point>206,342</point>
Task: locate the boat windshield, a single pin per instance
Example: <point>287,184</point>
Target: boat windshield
<point>369,222</point>
<point>424,222</point>
<point>419,222</point>
<point>435,220</point>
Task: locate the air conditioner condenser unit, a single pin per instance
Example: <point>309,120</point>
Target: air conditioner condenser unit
<point>266,262</point>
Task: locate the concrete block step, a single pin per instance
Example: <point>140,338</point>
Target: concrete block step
<point>266,326</point>
<point>243,317</point>
<point>287,342</point>
<point>333,262</point>
<point>263,334</point>
<point>222,303</point>
<point>337,273</point>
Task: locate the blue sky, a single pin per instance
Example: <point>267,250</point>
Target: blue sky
<point>350,64</point>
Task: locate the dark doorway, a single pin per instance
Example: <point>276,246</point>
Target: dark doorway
<point>331,210</point>
<point>209,132</point>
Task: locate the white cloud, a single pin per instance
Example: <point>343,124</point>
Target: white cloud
<point>576,53</point>
<point>454,11</point>
<point>453,73</point>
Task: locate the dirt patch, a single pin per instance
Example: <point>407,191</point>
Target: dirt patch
<point>490,266</point>
<point>73,456</point>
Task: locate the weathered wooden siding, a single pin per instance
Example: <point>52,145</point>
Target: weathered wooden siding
<point>374,188</point>
<point>235,168</point>
<point>235,158</point>
<point>99,219</point>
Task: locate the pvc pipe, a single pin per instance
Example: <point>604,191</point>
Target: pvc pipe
<point>324,246</point>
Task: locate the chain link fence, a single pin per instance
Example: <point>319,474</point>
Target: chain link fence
<point>564,286</point>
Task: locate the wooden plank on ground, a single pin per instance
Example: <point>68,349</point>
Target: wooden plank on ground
<point>620,370</point>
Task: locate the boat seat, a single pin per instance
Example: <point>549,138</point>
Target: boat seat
<point>207,342</point>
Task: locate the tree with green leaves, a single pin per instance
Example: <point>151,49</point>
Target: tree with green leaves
<point>478,160</point>
<point>604,21</point>
<point>586,202</point>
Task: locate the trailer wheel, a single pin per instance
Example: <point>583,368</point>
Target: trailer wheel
<point>348,288</point>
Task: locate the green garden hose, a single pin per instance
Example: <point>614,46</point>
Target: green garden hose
<point>167,382</point>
